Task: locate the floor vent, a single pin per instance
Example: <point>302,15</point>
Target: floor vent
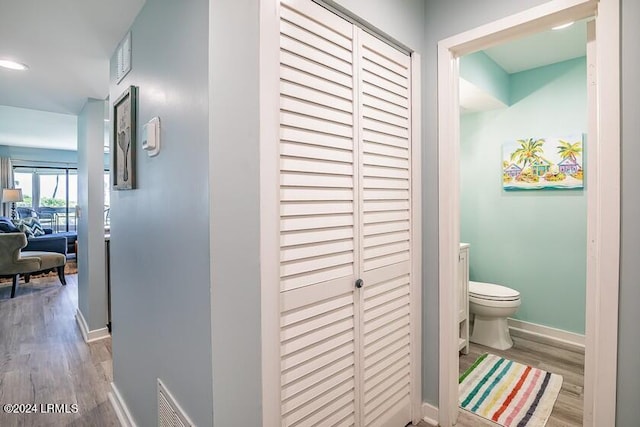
<point>170,414</point>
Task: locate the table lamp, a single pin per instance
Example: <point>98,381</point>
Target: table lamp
<point>12,195</point>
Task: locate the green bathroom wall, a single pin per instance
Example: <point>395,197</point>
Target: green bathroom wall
<point>482,71</point>
<point>532,241</point>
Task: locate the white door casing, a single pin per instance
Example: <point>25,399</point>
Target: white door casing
<point>603,193</point>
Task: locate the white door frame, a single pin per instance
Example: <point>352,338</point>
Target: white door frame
<point>270,210</point>
<point>603,195</point>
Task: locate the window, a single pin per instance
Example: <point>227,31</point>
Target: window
<point>51,193</point>
<point>25,182</point>
<point>58,195</point>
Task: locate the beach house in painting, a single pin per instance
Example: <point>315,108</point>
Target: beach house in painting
<point>568,166</point>
<point>540,166</point>
<point>513,170</point>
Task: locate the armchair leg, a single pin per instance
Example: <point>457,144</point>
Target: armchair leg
<point>61,275</point>
<point>27,278</point>
<point>16,278</point>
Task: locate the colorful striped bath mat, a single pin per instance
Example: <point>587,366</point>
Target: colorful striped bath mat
<point>508,393</point>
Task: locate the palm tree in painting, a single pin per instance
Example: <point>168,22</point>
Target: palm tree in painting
<point>529,152</point>
<point>568,150</point>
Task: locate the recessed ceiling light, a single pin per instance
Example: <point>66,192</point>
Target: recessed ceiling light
<point>563,26</point>
<point>13,65</point>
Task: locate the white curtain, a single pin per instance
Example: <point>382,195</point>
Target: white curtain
<point>6,181</point>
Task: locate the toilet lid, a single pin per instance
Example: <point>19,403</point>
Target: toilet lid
<point>492,291</point>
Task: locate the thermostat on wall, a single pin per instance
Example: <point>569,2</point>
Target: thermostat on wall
<point>151,137</point>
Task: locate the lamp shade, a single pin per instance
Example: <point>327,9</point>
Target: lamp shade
<point>10,195</point>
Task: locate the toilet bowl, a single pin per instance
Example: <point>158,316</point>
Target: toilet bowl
<point>490,306</point>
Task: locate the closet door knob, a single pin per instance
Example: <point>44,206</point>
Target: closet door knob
<point>359,283</point>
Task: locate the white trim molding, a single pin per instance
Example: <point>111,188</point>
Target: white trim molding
<point>270,210</point>
<point>416,238</point>
<point>449,232</point>
<point>90,335</point>
<point>547,334</point>
<point>430,414</point>
<point>120,407</point>
<point>603,217</point>
<point>603,194</point>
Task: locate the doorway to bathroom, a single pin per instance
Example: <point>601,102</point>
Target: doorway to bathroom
<point>599,242</point>
<point>523,208</point>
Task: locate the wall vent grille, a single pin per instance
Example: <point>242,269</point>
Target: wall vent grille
<point>170,414</point>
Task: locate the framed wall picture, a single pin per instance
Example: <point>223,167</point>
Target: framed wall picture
<point>123,150</point>
<point>543,163</point>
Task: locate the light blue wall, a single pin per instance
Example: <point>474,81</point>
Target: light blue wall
<point>531,241</point>
<point>479,69</point>
<point>92,291</point>
<point>235,213</point>
<point>161,306</point>
<point>402,20</point>
<point>438,20</point>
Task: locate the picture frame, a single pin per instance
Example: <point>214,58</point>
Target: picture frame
<point>123,147</point>
<point>543,163</point>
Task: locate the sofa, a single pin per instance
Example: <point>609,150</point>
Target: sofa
<point>63,243</point>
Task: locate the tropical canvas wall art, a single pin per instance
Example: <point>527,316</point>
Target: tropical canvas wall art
<point>539,163</point>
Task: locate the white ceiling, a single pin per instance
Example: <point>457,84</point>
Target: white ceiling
<point>67,45</point>
<point>541,49</point>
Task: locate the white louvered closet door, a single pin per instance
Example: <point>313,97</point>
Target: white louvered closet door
<point>385,190</point>
<point>344,206</point>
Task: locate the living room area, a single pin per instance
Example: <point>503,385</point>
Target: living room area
<point>40,186</point>
<point>40,198</point>
<point>55,216</point>
<point>55,207</point>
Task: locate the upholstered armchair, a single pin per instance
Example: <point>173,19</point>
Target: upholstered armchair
<point>13,262</point>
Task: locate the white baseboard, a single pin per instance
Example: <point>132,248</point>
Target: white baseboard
<point>429,414</point>
<point>90,336</point>
<point>547,334</point>
<point>120,407</point>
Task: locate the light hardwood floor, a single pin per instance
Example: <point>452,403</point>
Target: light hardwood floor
<point>565,361</point>
<point>43,358</point>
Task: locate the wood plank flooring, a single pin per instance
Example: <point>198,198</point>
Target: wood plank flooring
<point>43,358</point>
<point>566,361</point>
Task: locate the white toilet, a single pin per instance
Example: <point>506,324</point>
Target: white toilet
<point>490,306</point>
